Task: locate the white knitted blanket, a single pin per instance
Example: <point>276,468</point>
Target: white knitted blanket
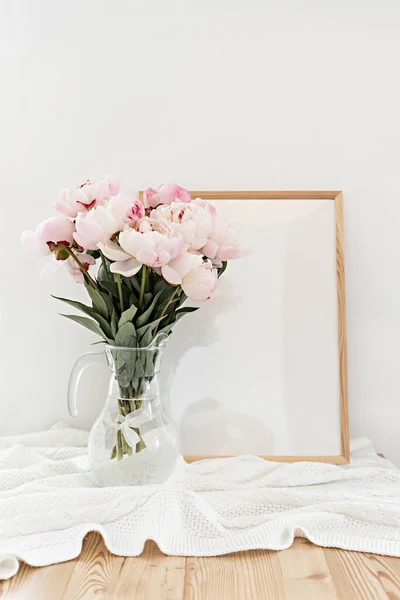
<point>49,501</point>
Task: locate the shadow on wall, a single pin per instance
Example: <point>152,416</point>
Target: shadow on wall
<point>205,424</point>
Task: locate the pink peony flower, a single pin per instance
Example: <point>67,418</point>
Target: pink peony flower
<point>49,236</point>
<point>126,209</point>
<point>97,225</point>
<point>199,283</point>
<point>196,276</point>
<point>136,249</point>
<point>192,221</point>
<point>100,224</point>
<point>207,205</point>
<point>74,200</point>
<point>223,243</point>
<point>166,193</point>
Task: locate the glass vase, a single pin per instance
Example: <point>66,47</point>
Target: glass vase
<point>132,442</point>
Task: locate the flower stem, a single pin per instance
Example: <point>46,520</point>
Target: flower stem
<point>82,268</point>
<point>103,262</point>
<point>172,296</point>
<point>121,296</point>
<point>142,285</point>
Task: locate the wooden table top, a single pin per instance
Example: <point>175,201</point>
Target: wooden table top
<point>304,571</point>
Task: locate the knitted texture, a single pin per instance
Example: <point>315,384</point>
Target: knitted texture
<point>49,501</point>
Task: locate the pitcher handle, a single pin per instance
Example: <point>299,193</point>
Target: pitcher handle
<point>84,361</point>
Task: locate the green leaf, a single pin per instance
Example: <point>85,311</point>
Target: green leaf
<point>167,329</point>
<point>108,300</point>
<point>148,327</point>
<point>134,283</point>
<point>98,301</point>
<point>165,297</point>
<point>187,309</point>
<point>88,323</point>
<point>133,300</point>
<point>91,312</point>
<point>147,337</point>
<point>114,322</point>
<point>223,268</point>
<point>125,361</point>
<point>104,325</point>
<point>147,297</point>
<point>160,284</point>
<point>88,310</point>
<point>110,286</point>
<point>127,315</point>
<point>126,336</point>
<point>139,365</point>
<point>144,317</point>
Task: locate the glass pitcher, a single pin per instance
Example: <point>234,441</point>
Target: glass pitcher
<point>132,442</point>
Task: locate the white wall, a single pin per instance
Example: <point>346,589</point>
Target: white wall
<point>217,94</point>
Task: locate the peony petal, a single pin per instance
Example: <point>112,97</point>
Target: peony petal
<point>113,184</point>
<point>84,242</point>
<point>227,253</point>
<point>56,229</point>
<point>30,242</point>
<point>210,249</point>
<point>50,268</point>
<point>170,275</point>
<point>113,251</point>
<point>127,268</point>
<point>147,256</point>
<point>183,263</point>
<point>163,257</point>
<point>132,241</point>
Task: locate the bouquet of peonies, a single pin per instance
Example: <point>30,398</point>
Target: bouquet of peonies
<point>152,256</point>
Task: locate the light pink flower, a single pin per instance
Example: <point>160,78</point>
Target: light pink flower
<point>49,235</point>
<point>196,276</point>
<point>223,243</point>
<point>207,205</point>
<point>74,200</point>
<point>126,209</point>
<point>100,224</point>
<point>199,283</point>
<point>97,225</point>
<point>75,270</point>
<point>192,221</point>
<point>136,249</point>
<point>166,193</point>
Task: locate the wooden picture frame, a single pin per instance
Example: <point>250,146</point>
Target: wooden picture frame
<point>337,198</point>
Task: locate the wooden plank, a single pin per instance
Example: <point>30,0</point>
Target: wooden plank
<point>364,576</point>
<point>261,194</point>
<point>305,573</point>
<point>334,460</point>
<point>152,575</point>
<point>255,574</point>
<point>265,195</point>
<point>341,309</point>
<point>31,583</point>
<point>301,572</point>
<point>92,573</point>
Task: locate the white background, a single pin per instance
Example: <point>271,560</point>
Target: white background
<point>213,94</point>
